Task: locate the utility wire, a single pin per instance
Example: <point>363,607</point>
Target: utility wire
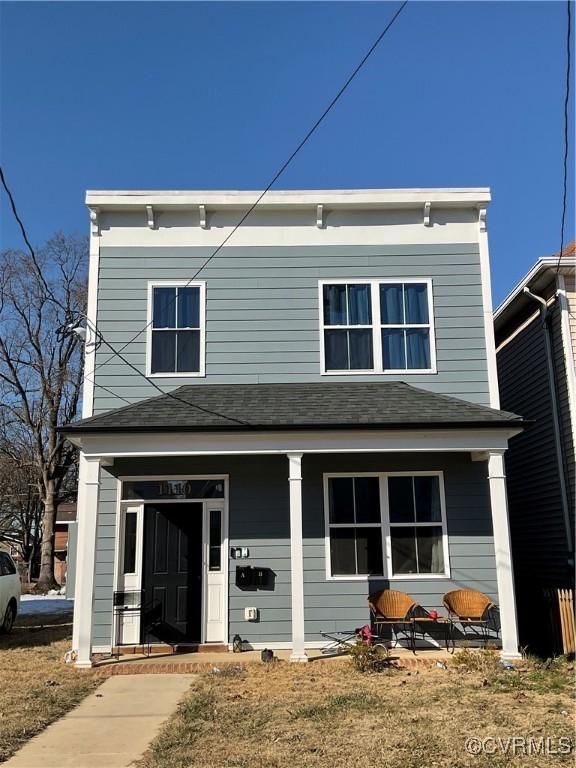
<point>566,128</point>
<point>276,176</point>
<point>26,239</point>
<point>283,167</point>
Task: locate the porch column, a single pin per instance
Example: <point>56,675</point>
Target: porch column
<point>88,483</point>
<point>504,572</point>
<point>296,557</point>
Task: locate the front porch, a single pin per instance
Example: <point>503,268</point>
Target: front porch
<point>271,537</point>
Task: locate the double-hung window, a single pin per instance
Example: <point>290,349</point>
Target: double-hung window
<point>377,326</point>
<point>176,329</point>
<point>355,525</point>
<point>416,524</point>
<point>386,524</point>
<point>348,327</point>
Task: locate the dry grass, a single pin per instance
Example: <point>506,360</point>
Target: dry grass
<point>36,687</point>
<point>327,714</point>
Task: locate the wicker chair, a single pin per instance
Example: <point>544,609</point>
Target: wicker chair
<point>468,608</point>
<point>395,610</point>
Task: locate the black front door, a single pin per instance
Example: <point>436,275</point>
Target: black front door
<point>172,578</point>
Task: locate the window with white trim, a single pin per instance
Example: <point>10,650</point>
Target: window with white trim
<point>416,532</point>
<point>405,326</point>
<point>398,518</point>
<point>377,326</point>
<point>355,525</point>
<point>348,327</point>
<point>176,340</point>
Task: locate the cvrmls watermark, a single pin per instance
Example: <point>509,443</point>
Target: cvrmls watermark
<point>519,745</point>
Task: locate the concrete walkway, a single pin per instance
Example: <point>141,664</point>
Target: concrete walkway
<point>111,728</point>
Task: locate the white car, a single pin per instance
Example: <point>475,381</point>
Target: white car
<point>9,592</point>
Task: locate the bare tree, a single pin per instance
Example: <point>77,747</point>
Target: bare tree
<point>20,506</point>
<point>41,369</point>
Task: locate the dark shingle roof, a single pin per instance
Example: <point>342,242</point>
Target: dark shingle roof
<point>338,405</point>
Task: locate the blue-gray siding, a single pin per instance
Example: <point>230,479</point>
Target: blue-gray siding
<point>263,315</point>
<point>259,520</point>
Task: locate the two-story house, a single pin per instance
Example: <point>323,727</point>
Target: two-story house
<point>330,426</point>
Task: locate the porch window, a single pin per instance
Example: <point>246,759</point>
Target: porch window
<point>355,526</point>
<point>176,332</point>
<point>130,528</point>
<point>377,326</point>
<point>416,533</point>
<point>215,540</point>
<point>400,515</point>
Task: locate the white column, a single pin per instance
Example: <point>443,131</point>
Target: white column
<point>504,572</point>
<point>88,483</point>
<point>296,557</point>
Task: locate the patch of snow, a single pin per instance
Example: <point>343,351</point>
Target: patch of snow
<point>38,604</point>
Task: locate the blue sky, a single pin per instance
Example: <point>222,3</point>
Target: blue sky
<point>216,95</point>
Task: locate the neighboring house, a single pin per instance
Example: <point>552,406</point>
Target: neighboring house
<point>65,521</point>
<point>536,346</point>
<point>330,427</point>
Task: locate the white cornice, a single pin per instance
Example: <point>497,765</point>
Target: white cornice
<point>334,199</point>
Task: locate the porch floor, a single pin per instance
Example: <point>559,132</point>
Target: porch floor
<point>194,662</point>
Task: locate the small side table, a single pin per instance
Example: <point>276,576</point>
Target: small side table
<point>440,621</point>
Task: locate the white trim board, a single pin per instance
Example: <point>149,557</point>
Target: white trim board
<point>327,441</point>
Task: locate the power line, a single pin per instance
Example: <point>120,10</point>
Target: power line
<point>275,178</point>
<point>26,239</point>
<point>283,167</point>
<point>566,128</point>
<point>171,394</point>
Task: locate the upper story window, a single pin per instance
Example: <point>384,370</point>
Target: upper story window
<point>377,326</point>
<point>176,329</point>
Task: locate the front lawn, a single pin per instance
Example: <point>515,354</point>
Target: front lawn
<point>36,687</point>
<point>326,714</point>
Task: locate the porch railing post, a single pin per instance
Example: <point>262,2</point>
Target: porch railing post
<point>504,572</point>
<point>88,484</point>
<point>296,557</point>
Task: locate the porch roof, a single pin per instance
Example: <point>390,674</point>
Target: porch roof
<point>308,406</point>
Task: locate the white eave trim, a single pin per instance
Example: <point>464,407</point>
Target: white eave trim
<point>541,266</point>
<point>346,198</point>
<point>322,441</point>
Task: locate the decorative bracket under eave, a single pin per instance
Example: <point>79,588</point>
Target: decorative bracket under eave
<point>150,215</point>
<point>320,216</point>
<point>203,220</point>
<point>94,225</point>
<point>427,209</point>
<point>482,218</point>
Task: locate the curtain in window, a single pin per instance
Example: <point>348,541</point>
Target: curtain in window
<point>164,310</point>
<point>391,304</point>
<point>360,343</point>
<point>189,307</point>
<point>418,348</point>
<point>359,305</point>
<point>393,351</point>
<point>416,299</point>
<point>335,305</point>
